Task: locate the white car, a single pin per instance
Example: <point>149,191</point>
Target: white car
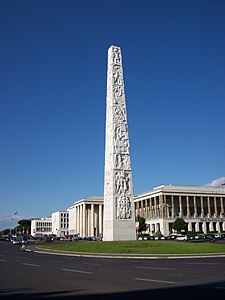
<point>181,238</point>
<point>16,242</point>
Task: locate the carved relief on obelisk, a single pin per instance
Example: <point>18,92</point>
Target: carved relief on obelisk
<point>119,221</point>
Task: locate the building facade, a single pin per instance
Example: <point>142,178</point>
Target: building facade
<point>86,217</point>
<point>202,208</point>
<point>41,227</point>
<point>60,223</point>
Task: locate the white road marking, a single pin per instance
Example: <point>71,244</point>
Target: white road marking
<point>91,264</point>
<point>219,287</point>
<point>77,271</point>
<point>153,268</point>
<point>199,263</point>
<point>3,260</point>
<point>32,265</point>
<point>153,280</point>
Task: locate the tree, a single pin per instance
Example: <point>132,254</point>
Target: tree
<point>24,226</point>
<point>5,231</point>
<point>179,225</point>
<point>142,224</point>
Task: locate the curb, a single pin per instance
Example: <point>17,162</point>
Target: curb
<point>125,256</point>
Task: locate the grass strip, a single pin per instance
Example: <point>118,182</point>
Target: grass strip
<point>138,247</point>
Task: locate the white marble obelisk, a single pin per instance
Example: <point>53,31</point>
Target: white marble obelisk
<point>119,217</point>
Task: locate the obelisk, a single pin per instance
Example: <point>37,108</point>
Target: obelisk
<point>119,217</point>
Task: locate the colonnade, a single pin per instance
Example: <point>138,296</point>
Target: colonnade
<point>196,225</point>
<point>89,219</point>
<point>172,206</point>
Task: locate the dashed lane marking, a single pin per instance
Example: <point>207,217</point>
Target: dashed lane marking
<point>92,264</point>
<point>77,271</point>
<point>153,268</point>
<point>154,280</point>
<point>32,265</point>
<point>2,260</point>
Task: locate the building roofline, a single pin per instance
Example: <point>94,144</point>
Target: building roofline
<point>169,188</point>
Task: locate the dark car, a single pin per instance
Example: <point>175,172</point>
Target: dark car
<point>211,237</point>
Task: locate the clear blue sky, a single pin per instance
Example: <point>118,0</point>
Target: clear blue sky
<point>53,88</point>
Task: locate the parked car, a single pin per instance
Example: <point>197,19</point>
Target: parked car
<point>171,237</point>
<point>88,238</point>
<point>211,237</point>
<point>181,238</point>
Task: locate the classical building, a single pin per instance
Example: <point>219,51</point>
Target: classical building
<point>202,208</point>
<point>86,217</point>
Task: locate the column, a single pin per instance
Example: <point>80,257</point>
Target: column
<point>173,208</point>
<point>146,208</point>
<point>155,213</point>
<point>197,226</point>
<point>76,219</point>
<point>189,226</point>
<point>165,208</point>
<point>202,207</point>
<point>215,208</point>
<point>218,226</point>
<point>195,208</point>
<point>211,228</point>
<point>209,209</point>
<point>161,206</point>
<point>188,206</point>
<point>100,219</point>
<point>222,206</point>
<point>204,227</point>
<point>142,209</point>
<point>81,220</point>
<point>151,209</point>
<point>84,220</point>
<point>180,204</point>
<point>92,220</point>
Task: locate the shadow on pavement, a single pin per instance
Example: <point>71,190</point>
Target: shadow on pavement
<point>198,292</point>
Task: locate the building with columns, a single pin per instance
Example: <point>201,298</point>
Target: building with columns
<point>86,217</point>
<point>202,208</point>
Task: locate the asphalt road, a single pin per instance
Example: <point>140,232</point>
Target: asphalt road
<point>29,275</point>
